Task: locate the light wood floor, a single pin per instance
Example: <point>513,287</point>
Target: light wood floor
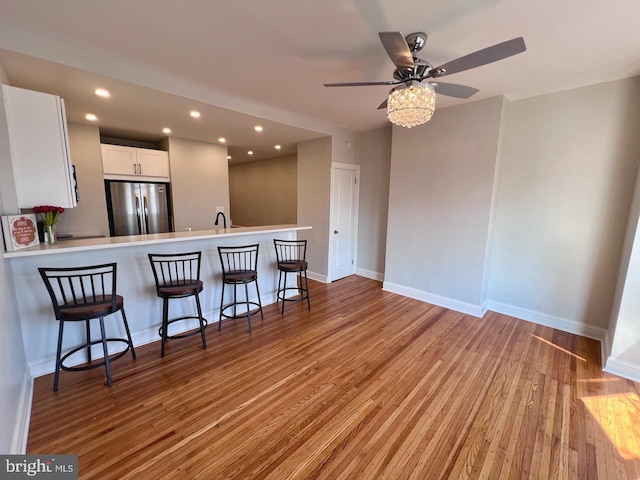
<point>367,385</point>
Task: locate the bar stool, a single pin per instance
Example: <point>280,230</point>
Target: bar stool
<point>291,257</point>
<point>239,267</point>
<point>178,276</point>
<point>82,294</point>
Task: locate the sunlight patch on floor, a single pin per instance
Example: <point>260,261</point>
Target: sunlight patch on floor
<point>544,340</point>
<point>619,417</point>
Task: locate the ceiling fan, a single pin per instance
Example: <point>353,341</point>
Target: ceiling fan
<point>412,102</point>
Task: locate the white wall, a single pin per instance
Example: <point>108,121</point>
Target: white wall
<point>314,192</point>
<point>8,197</point>
<point>90,216</point>
<point>624,326</point>
<point>199,183</point>
<point>440,195</point>
<point>15,379</point>
<point>568,170</point>
<point>375,164</point>
<point>624,358</point>
<point>264,192</point>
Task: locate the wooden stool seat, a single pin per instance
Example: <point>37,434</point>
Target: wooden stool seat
<point>291,258</point>
<point>239,267</point>
<point>82,294</point>
<point>178,276</point>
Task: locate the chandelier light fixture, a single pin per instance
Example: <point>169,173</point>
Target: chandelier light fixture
<point>411,105</point>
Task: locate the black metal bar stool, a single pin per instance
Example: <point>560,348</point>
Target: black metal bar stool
<point>82,294</point>
<point>178,276</point>
<point>291,257</point>
<point>239,267</point>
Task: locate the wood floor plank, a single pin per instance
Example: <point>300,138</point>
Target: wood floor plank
<point>366,385</point>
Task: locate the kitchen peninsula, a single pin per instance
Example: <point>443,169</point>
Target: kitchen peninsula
<point>135,282</point>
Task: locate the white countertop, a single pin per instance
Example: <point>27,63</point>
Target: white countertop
<point>69,246</point>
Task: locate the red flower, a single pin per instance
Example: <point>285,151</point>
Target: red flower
<point>50,213</point>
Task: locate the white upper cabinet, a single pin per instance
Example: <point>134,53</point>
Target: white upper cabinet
<point>128,163</point>
<point>39,144</point>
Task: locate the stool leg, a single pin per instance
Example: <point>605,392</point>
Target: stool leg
<point>279,289</point>
<point>204,340</point>
<point>235,299</point>
<point>246,292</point>
<point>221,304</point>
<point>306,282</point>
<point>107,366</point>
<point>284,293</point>
<point>259,301</point>
<point>126,327</point>
<point>165,324</point>
<point>88,340</point>
<point>58,355</point>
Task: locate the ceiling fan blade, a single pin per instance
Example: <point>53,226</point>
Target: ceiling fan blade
<point>455,90</point>
<point>397,49</point>
<point>383,105</point>
<point>359,84</point>
<point>481,57</point>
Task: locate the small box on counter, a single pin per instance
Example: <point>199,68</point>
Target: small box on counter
<point>19,231</point>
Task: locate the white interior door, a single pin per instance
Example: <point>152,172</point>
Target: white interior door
<point>344,219</point>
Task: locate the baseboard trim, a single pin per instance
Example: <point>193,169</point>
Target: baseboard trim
<point>446,302</point>
<point>563,324</point>
<point>370,274</point>
<point>622,368</point>
<point>317,277</point>
<point>23,419</point>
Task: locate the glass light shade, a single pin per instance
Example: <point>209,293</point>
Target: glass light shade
<point>411,106</point>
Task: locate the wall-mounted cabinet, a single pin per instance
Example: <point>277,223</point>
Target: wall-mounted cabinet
<point>129,163</point>
<point>39,145</point>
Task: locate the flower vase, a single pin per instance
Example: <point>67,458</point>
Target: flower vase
<point>50,234</point>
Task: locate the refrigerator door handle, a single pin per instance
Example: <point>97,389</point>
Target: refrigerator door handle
<point>138,213</point>
<point>146,214</point>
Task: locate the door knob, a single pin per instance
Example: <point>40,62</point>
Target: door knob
<point>335,232</point>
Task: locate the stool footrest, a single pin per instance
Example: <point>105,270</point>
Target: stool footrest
<point>92,365</point>
<point>242,315</point>
<point>191,333</point>
<point>283,291</point>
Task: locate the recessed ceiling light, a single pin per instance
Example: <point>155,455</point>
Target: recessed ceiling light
<point>91,117</point>
<point>166,130</point>
<point>228,157</point>
<point>277,147</point>
<point>250,152</point>
<point>222,139</point>
<point>102,92</point>
<point>195,114</point>
<point>258,128</point>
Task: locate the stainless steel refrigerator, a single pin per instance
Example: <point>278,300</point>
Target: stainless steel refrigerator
<point>138,208</point>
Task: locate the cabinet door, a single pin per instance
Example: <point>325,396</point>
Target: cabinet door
<point>119,160</point>
<point>38,140</point>
<point>153,163</point>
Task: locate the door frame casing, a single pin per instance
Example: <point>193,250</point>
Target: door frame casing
<point>356,207</point>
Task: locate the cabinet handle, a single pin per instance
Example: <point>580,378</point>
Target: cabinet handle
<point>135,169</point>
<point>140,168</point>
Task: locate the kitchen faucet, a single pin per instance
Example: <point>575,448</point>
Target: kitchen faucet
<point>224,219</point>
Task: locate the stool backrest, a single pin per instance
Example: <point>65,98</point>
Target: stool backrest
<point>175,269</point>
<point>290,251</point>
<point>239,259</point>
<point>80,287</point>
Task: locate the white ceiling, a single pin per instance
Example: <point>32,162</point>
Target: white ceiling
<point>268,60</point>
